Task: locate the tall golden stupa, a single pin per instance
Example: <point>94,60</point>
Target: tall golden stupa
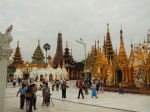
<point>116,67</point>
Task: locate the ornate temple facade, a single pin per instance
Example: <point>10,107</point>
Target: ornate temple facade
<point>116,67</point>
<point>74,71</point>
<point>62,66</point>
<point>102,61</point>
<point>37,69</point>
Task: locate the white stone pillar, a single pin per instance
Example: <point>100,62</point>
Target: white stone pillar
<point>5,52</point>
<point>3,75</point>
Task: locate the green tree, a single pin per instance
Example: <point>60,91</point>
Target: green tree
<point>81,64</point>
<point>46,47</point>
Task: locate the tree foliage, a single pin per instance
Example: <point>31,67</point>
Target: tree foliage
<point>46,46</point>
<point>81,64</point>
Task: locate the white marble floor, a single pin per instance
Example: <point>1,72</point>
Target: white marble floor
<point>106,102</point>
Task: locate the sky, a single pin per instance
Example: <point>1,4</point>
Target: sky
<point>75,19</point>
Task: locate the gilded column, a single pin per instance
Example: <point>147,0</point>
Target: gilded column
<point>126,73</point>
<point>123,75</point>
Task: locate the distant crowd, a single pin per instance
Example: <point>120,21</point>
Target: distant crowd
<point>29,88</point>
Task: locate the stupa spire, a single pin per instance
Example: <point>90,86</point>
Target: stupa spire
<point>17,59</point>
<point>59,52</point>
<point>122,52</point>
<point>38,55</point>
<point>109,47</point>
<point>131,52</point>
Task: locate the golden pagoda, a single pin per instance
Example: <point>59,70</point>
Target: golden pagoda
<point>117,67</point>
<point>38,56</point>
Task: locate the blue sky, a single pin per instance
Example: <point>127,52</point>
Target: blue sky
<point>75,19</point>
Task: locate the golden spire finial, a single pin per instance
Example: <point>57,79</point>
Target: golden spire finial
<point>144,40</point>
<point>121,31</point>
<point>38,42</point>
<point>131,44</point>
<point>107,27</point>
<point>71,52</point>
<point>18,43</point>
<point>116,51</point>
<point>66,44</point>
<point>95,44</point>
<point>98,44</point>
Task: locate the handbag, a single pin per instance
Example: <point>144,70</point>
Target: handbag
<point>28,95</point>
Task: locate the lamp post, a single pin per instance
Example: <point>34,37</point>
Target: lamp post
<point>81,42</point>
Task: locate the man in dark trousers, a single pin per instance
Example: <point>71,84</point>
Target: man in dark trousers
<point>63,87</point>
<point>22,92</point>
<point>80,89</point>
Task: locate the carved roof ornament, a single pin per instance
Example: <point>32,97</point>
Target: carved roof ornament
<point>5,40</point>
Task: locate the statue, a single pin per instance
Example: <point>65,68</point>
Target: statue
<point>6,38</point>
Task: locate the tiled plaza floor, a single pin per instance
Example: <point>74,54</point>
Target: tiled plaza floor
<point>106,102</point>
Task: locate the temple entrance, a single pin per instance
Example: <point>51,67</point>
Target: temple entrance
<point>50,77</point>
<point>118,76</point>
<point>41,77</point>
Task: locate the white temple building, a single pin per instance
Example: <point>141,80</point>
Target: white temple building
<point>47,73</point>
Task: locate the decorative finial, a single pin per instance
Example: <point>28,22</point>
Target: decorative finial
<point>121,29</point>
<point>98,43</point>
<point>107,27</point>
<point>66,44</point>
<point>71,52</point>
<point>18,43</point>
<point>38,42</point>
<point>131,43</point>
<point>116,51</point>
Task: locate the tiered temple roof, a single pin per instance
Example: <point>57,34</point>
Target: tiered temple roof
<point>122,52</point>
<point>17,59</point>
<point>59,52</point>
<point>108,45</point>
<point>38,56</point>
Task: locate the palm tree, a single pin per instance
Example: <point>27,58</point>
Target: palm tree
<point>46,47</point>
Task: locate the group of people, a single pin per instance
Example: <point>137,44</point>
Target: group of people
<point>96,86</point>
<point>20,81</point>
<point>28,93</point>
<point>62,84</point>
